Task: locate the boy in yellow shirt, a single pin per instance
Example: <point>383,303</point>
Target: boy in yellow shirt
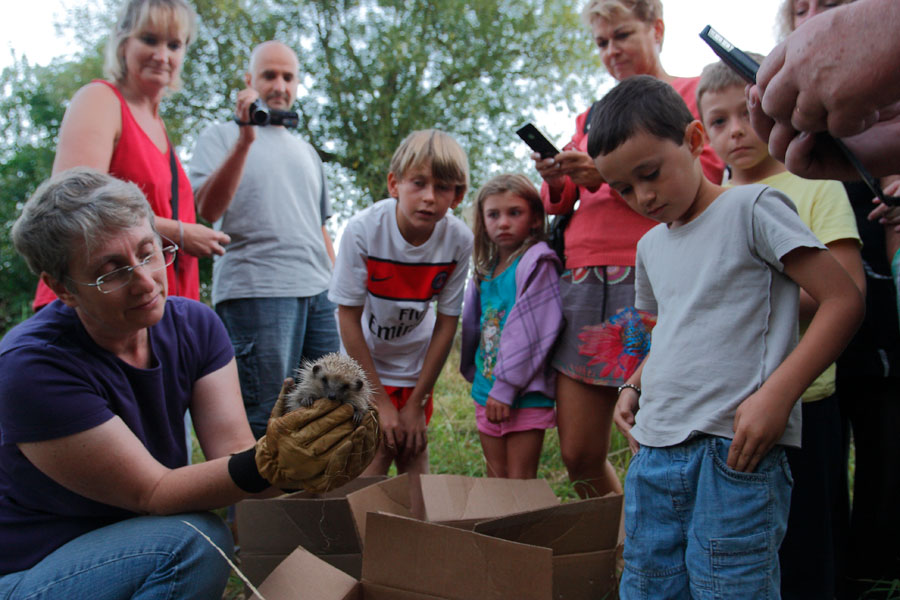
<point>810,549</point>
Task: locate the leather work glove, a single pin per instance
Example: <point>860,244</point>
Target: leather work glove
<point>316,447</point>
<point>349,458</point>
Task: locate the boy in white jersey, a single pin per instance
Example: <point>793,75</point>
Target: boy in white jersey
<point>395,258</point>
<point>706,496</point>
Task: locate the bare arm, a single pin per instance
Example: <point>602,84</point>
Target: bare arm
<point>90,129</point>
<point>109,464</point>
<point>329,245</point>
<point>846,252</point>
<point>760,420</point>
<point>412,415</point>
<point>216,193</point>
<point>627,407</point>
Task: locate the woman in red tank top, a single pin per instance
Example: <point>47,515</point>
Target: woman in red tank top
<point>114,126</point>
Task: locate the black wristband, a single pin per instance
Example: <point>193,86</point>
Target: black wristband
<point>244,472</point>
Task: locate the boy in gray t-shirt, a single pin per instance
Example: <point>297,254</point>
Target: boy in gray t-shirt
<point>707,492</point>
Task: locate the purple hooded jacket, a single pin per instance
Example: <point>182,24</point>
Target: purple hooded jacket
<point>530,331</point>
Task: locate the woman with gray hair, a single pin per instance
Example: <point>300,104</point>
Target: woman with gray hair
<point>114,126</point>
<point>96,497</point>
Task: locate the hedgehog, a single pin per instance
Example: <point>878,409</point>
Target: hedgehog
<point>336,377</point>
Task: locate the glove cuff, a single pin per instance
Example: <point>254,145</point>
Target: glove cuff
<point>244,472</point>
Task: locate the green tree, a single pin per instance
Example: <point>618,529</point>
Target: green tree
<point>31,109</point>
<point>371,72</point>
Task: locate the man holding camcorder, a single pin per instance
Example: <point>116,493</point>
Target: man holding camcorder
<point>265,187</point>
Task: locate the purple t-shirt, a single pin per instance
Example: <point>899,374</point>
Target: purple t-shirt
<point>55,381</point>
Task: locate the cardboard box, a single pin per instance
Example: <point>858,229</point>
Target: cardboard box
<point>545,550</point>
<point>453,500</point>
<point>407,559</point>
<point>269,530</point>
<point>583,537</point>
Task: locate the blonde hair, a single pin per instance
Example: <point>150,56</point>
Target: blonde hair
<point>484,251</point>
<point>647,11</point>
<point>447,158</point>
<point>717,76</point>
<point>785,18</point>
<point>136,15</point>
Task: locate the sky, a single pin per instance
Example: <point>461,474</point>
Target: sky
<point>28,29</point>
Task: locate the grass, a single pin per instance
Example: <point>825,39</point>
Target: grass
<point>454,447</point>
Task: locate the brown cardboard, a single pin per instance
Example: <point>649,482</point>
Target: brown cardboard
<point>575,527</point>
<point>587,575</point>
<point>451,499</point>
<point>408,559</point>
<point>583,537</point>
<point>452,563</point>
<point>555,551</point>
<point>269,530</point>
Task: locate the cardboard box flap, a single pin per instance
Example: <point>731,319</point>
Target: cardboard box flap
<point>390,496</point>
<point>304,575</point>
<point>459,498</point>
<point>320,523</point>
<point>451,563</point>
<point>582,526</point>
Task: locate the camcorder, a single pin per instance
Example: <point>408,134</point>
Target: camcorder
<point>262,115</point>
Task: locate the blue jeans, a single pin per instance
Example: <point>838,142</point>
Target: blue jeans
<point>694,528</point>
<point>144,558</point>
<point>270,337</point>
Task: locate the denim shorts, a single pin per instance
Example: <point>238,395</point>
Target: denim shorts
<point>695,528</point>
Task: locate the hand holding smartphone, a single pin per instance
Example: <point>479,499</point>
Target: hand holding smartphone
<point>537,141</point>
<point>746,67</point>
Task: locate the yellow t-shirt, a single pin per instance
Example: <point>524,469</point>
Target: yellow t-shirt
<point>824,207</point>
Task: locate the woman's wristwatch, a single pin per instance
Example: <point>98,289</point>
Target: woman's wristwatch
<point>628,385</point>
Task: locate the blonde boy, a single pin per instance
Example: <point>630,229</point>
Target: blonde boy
<point>810,552</point>
<point>714,403</point>
<point>395,258</point>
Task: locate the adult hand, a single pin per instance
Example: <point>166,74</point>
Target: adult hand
<point>201,241</point>
<point>245,98</point>
<point>815,156</point>
<point>623,416</point>
<point>580,168</point>
<point>884,214</point>
<point>759,423</point>
<point>496,411</point>
<point>299,445</point>
<point>549,171</point>
<point>825,76</point>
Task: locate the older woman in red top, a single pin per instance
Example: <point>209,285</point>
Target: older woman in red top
<point>114,126</point>
<point>605,337</point>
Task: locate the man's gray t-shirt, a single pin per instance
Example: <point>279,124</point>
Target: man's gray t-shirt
<point>275,218</point>
<point>727,314</point>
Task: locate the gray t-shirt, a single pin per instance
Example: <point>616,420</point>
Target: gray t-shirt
<point>727,315</point>
<point>275,218</point>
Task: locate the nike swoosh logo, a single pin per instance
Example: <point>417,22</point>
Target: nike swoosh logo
<point>376,279</point>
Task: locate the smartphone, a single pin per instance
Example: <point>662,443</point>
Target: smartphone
<point>746,67</point>
<point>742,64</point>
<point>537,141</point>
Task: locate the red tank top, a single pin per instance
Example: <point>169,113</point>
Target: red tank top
<point>137,159</point>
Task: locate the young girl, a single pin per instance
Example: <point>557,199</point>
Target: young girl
<point>511,317</point>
